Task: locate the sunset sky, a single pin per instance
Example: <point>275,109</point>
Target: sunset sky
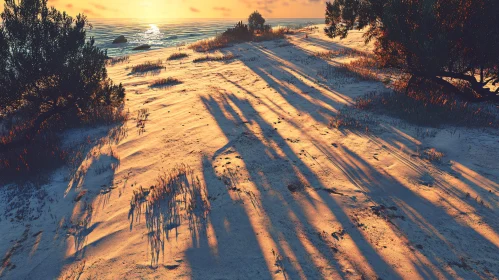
<point>191,8</point>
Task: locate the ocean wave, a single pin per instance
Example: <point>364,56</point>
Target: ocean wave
<point>165,32</point>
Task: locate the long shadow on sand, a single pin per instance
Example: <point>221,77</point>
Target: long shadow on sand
<point>287,222</point>
<point>74,204</point>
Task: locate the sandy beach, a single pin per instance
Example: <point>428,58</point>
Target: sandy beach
<point>275,192</point>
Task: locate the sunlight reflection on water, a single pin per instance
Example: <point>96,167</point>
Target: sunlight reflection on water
<point>161,33</point>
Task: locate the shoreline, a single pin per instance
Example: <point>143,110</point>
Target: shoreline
<point>163,32</point>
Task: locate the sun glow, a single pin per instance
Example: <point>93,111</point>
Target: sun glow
<point>191,9</point>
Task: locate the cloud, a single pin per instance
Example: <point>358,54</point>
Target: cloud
<point>103,8</point>
<point>69,6</point>
<point>225,11</point>
<point>90,12</point>
<point>268,6</point>
<point>194,10</point>
<point>222,9</point>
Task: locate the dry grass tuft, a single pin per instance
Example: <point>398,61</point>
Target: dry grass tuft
<point>175,56</point>
<point>432,155</point>
<point>226,57</point>
<point>215,43</point>
<point>430,109</point>
<point>177,195</point>
<point>273,34</point>
<point>352,119</point>
<point>165,82</point>
<point>363,68</point>
<point>142,119</point>
<point>117,60</point>
<point>147,67</point>
<point>342,52</point>
<point>345,73</point>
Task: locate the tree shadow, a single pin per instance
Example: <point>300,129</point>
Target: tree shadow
<point>403,211</point>
<point>290,224</point>
<point>73,199</point>
<point>177,196</point>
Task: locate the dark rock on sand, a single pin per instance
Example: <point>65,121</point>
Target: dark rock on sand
<point>120,39</point>
<point>142,47</point>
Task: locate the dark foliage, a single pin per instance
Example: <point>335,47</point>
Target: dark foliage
<point>240,32</point>
<point>256,22</point>
<point>447,42</point>
<point>256,31</point>
<point>50,74</point>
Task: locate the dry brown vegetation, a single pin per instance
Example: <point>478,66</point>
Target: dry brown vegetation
<point>117,60</point>
<point>147,67</point>
<point>221,41</point>
<point>341,52</point>
<point>215,43</point>
<point>225,57</point>
<point>170,81</point>
<point>428,108</point>
<point>425,104</point>
<point>273,34</point>
<point>177,195</point>
<point>178,55</point>
<point>432,155</point>
<point>46,152</point>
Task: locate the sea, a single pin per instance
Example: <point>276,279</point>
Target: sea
<point>163,33</point>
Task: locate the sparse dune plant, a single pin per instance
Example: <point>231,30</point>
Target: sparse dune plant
<point>147,67</point>
<point>170,81</point>
<point>178,55</point>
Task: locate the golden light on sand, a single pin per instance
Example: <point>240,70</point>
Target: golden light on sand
<point>284,176</point>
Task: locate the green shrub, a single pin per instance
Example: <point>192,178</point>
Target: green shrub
<point>256,22</point>
<point>50,77</point>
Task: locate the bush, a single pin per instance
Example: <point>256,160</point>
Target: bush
<point>240,32</point>
<point>50,76</point>
<point>444,42</point>
<point>256,22</point>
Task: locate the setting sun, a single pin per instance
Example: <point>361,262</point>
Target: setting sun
<point>249,139</point>
<point>190,8</point>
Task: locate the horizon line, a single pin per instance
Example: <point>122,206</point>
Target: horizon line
<point>199,18</point>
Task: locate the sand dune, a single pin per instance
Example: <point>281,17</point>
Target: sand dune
<point>280,195</point>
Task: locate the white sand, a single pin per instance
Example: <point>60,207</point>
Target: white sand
<point>249,128</point>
